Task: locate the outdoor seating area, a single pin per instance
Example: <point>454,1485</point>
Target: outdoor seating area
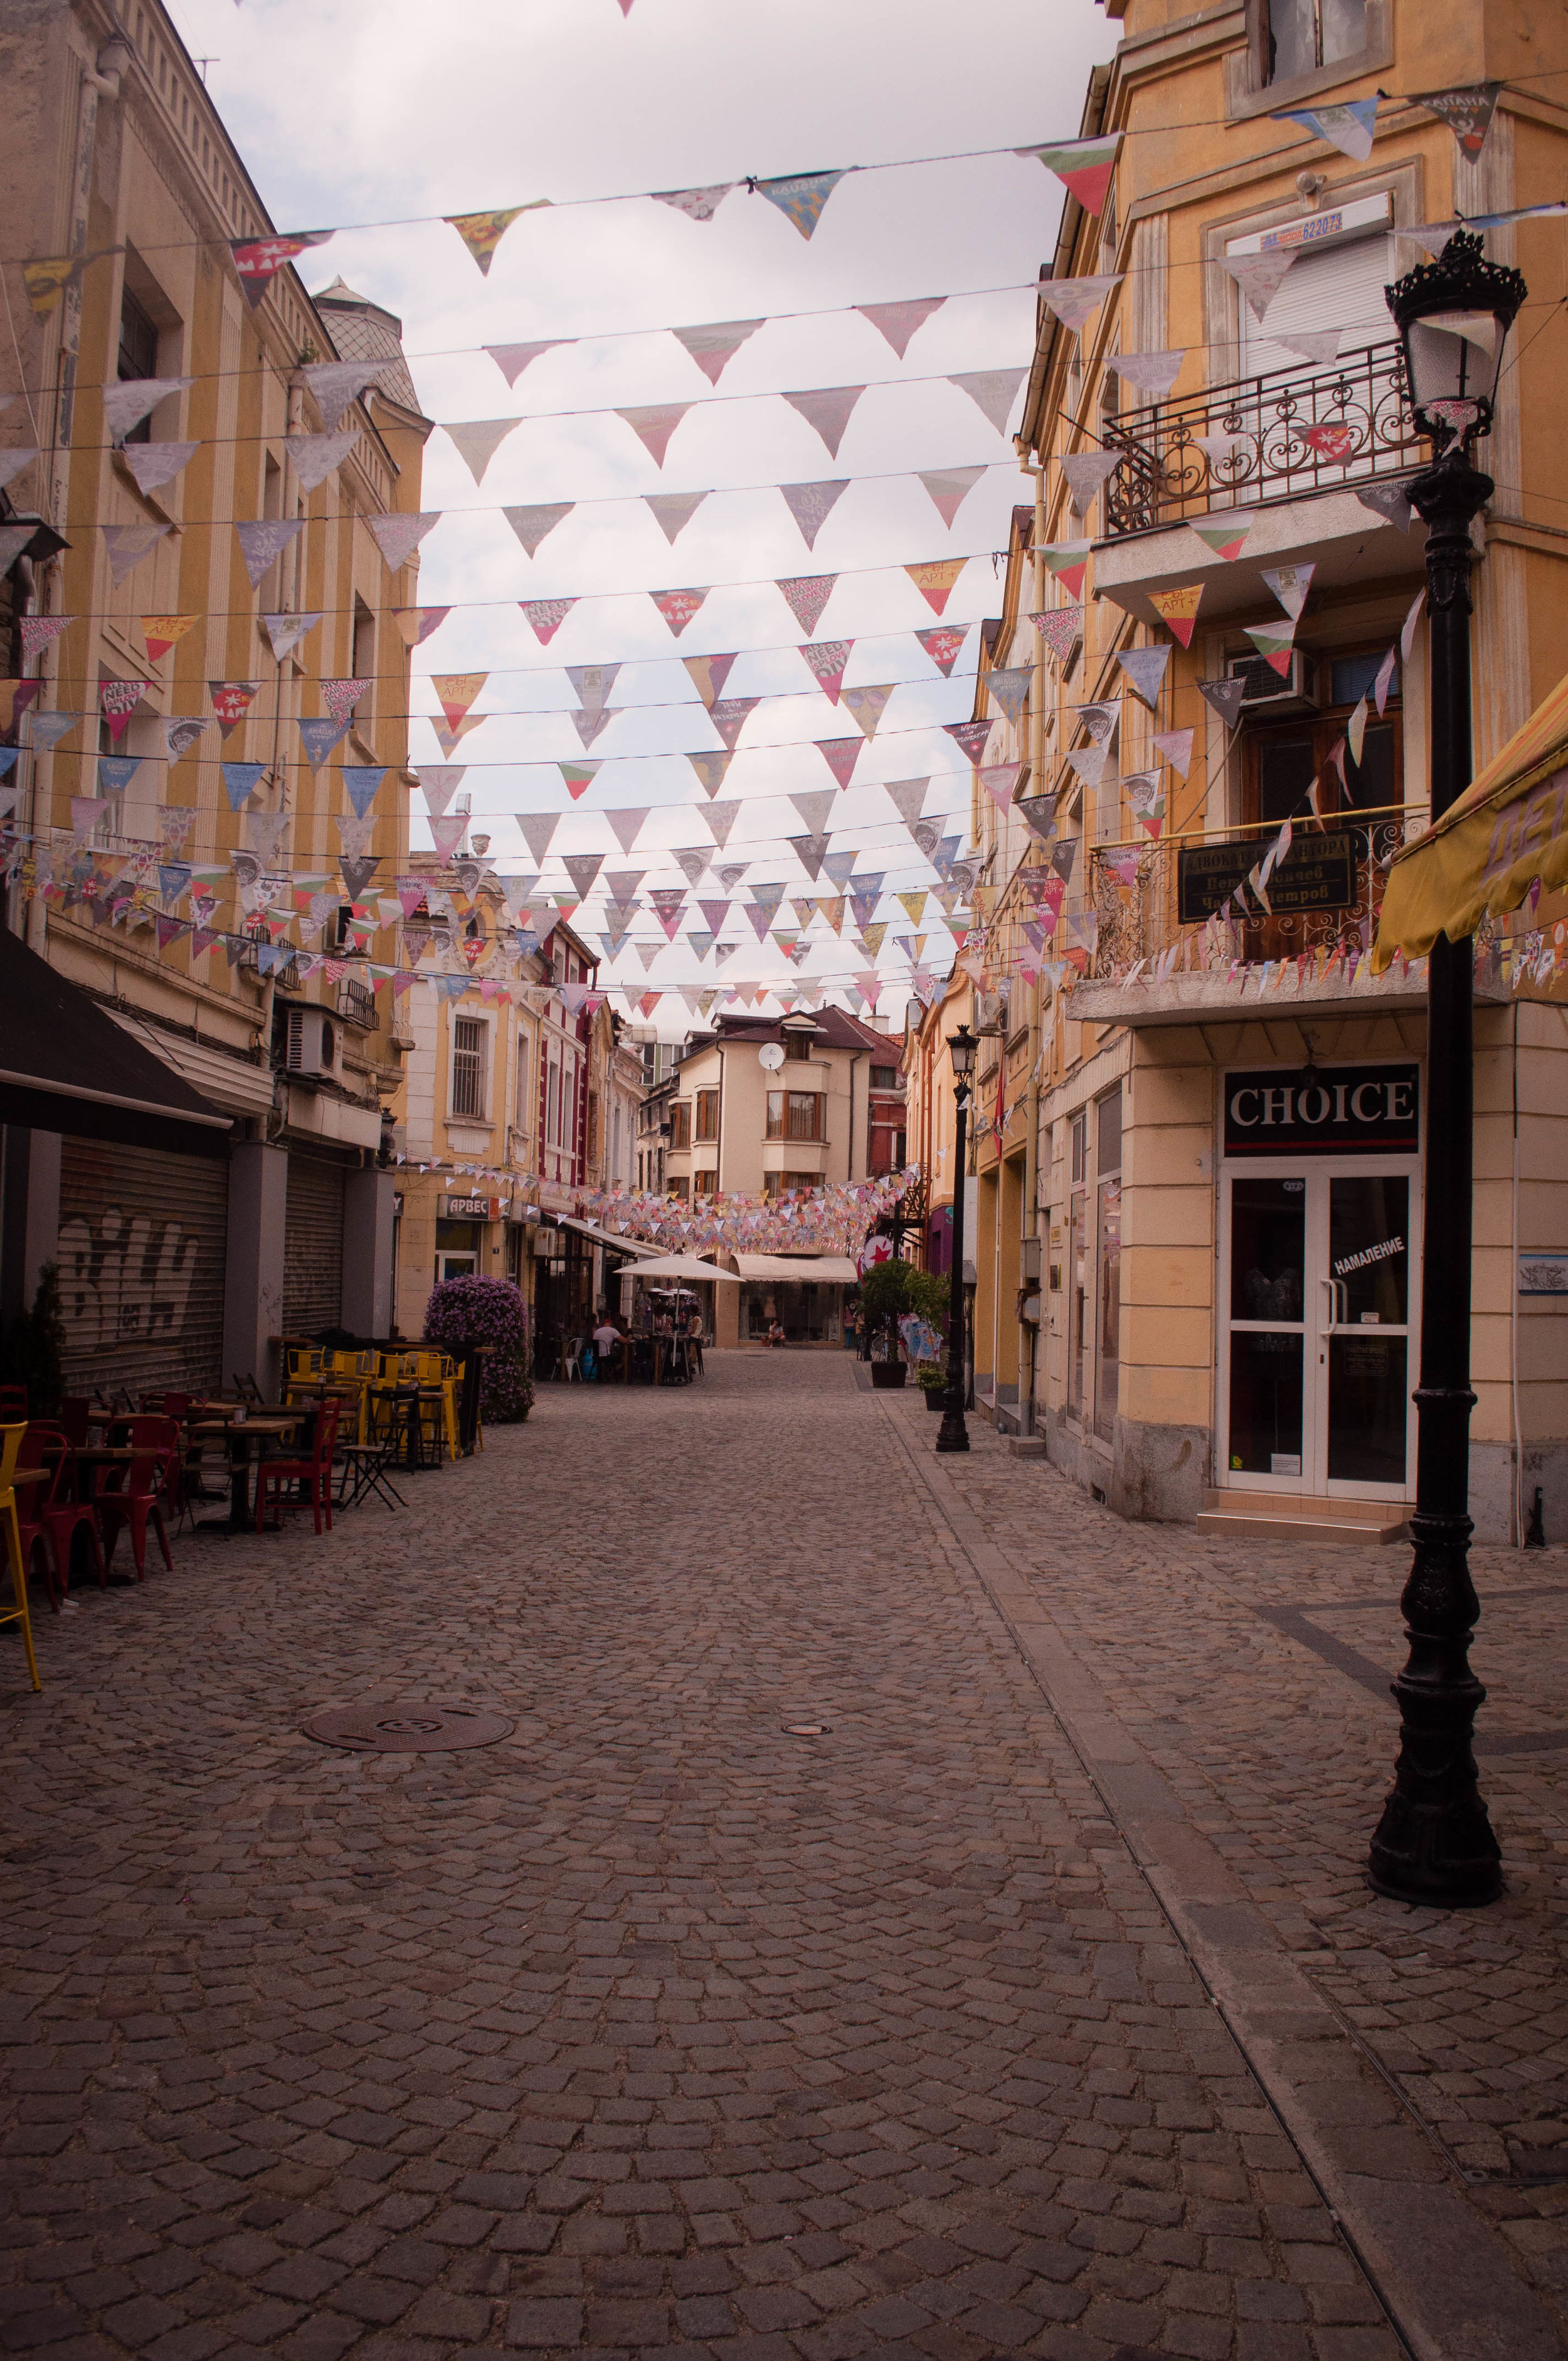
<point>97,1474</point>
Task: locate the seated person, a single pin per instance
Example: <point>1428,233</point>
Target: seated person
<point>607,1337</point>
<point>777,1334</point>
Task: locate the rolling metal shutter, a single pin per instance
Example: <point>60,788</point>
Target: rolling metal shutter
<point>313,1244</point>
<point>142,1242</point>
<point>1339,285</point>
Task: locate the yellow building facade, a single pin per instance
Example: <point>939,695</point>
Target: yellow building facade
<point>1169,1095</point>
<point>119,168</point>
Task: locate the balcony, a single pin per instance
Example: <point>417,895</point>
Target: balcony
<point>1137,891</point>
<point>356,1004</point>
<point>1306,441</point>
<point>1357,409</point>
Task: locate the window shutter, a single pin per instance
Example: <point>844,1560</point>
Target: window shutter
<point>1338,286</point>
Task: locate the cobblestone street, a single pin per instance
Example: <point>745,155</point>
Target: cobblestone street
<point>913,1912</point>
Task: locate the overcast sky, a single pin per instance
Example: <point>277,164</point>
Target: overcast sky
<point>347,113</point>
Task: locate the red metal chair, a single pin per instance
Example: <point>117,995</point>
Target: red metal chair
<point>13,1404</point>
<point>74,1419</point>
<point>149,1432</point>
<point>131,1497</point>
<point>50,1514</point>
<point>316,1471</point>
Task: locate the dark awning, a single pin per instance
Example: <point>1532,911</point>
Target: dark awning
<point>66,1066</point>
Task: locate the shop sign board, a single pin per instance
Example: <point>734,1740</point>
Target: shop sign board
<point>1329,1111</point>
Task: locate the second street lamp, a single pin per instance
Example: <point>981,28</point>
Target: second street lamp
<point>953,1434</point>
<point>1434,1843</point>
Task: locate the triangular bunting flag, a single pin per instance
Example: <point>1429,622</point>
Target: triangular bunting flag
<point>998,779</point>
<point>1153,374</point>
<point>697,204</point>
<point>800,196</point>
<point>811,505</point>
<point>153,465</point>
<point>117,701</point>
<point>257,260</point>
<point>827,660</point>
<point>814,807</point>
<point>1100,718</point>
<point>944,644</point>
<point>261,543</point>
<point>1225,697</point>
<point>708,675</point>
<point>396,537</point>
<point>482,232</point>
<point>336,384</point>
<point>949,488</point>
<point>538,830</point>
<point>992,391</point>
<point>714,346</point>
<point>1067,561</point>
<point>131,400</point>
<point>1146,668</point>
<point>677,607</point>
<point>1225,531</point>
<point>1176,747</point>
<point>655,424</point>
<point>241,781</point>
<point>1085,472</point>
<point>907,796</point>
<point>899,321</point>
<point>1089,762</point>
<point>1468,111</point>
<point>440,784</point>
<point>162,633</point>
<point>969,737</point>
<point>1061,628</point>
<point>868,705</point>
<point>315,455</point>
<point>624,825</point>
<point>361,781</point>
<point>1260,276</point>
<point>320,737</point>
<point>1008,686</point>
<point>456,693</point>
<point>710,770</point>
<point>673,510</point>
<point>512,359</point>
<point>721,819</point>
<point>1273,642</point>
<point>532,524</point>
<point>1290,585</point>
<point>180,731</point>
<point>447,834</point>
<point>809,851</point>
<point>1390,501</point>
<point>730,715</point>
<point>1084,165</point>
<point>828,410</point>
<point>125,545</point>
<point>577,778</point>
<point>286,631</point>
<point>582,868</point>
<point>806,595</point>
<point>476,441</point>
<point>1178,609</point>
<point>1348,127</point>
<point>547,616</point>
<point>1072,300</point>
<point>116,772</point>
<point>935,578</point>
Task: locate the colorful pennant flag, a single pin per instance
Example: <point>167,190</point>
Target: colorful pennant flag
<point>1008,688</point>
<point>232,700</point>
<point>577,778</point>
<point>1178,609</point>
<point>949,488</point>
<point>118,700</point>
<point>944,644</point>
<point>730,715</point>
<point>456,693</point>
<point>1225,697</point>
<point>315,455</point>
<point>841,755</point>
<point>257,260</point>
<point>935,578</point>
<point>655,424</point>
<point>1225,531</point>
<point>1260,276</point>
<point>828,410</point>
<point>710,770</point>
<point>1348,127</point>
<point>677,607</point>
<point>708,675</point>
<point>482,232</point>
<point>1071,301</point>
<point>806,594</point>
<point>867,706</point>
<point>1067,561</point>
<point>969,737</point>
<point>162,633</point>
<point>241,781</point>
<point>334,384</point>
<point>1146,668</point>
<point>180,731</point>
<point>1466,109</point>
<point>547,616</point>
<point>1273,642</point>
<point>827,660</point>
<point>285,631</point>
<point>799,196</point>
<point>1061,628</point>
<point>1084,165</point>
<point>320,736</point>
<point>697,204</point>
<point>130,400</point>
<point>47,279</point>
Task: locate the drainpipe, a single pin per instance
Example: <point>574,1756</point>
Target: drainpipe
<point>101,81</point>
<point>1036,778</point>
<point>855,1056</point>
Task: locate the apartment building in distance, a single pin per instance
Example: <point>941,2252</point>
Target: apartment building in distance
<point>1211,1311</point>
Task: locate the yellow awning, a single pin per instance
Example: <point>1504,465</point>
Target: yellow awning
<point>1509,828</point>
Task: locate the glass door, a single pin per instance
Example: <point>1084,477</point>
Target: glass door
<point>1318,1347</point>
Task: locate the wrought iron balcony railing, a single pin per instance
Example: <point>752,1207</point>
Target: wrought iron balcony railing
<point>1262,438</point>
<point>1136,893</point>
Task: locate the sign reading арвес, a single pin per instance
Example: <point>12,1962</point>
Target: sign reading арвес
<point>1337,1110</point>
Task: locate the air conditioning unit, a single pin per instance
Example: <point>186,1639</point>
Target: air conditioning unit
<point>312,1044</point>
<point>1269,691</point>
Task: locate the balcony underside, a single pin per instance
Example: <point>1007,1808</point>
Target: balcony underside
<point>1211,998</point>
<point>1349,545</point>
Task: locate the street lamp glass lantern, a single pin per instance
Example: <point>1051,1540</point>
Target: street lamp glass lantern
<point>960,1049</point>
<point>1453,317</point>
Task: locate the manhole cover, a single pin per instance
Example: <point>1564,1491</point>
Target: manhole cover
<point>406,1729</point>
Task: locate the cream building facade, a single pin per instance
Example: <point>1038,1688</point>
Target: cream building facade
<point>176,1271</point>
<point>1208,1148</point>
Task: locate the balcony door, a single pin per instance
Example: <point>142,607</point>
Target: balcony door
<point>1318,1328</point>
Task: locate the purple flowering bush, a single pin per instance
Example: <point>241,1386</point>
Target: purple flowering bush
<point>487,1312</point>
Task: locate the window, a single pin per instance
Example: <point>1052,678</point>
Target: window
<point>1306,34</point>
<point>794,1114</point>
<point>1108,1132</point>
<point>783,1184</point>
<point>678,1187</point>
<point>681,1123</point>
<point>1281,762</point>
<point>1337,284</point>
<point>884,1078</point>
<point>552,1105</point>
<point>1079,1146</point>
<point>469,1066</point>
<point>520,1111</point>
<point>707,1114</point>
<point>797,1046</point>
<point>137,354</point>
<point>364,663</point>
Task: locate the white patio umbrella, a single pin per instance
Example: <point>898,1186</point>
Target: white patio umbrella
<point>681,1267</point>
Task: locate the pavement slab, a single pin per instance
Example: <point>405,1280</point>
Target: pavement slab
<point>657,2027</point>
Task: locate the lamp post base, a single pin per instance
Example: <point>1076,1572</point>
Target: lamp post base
<point>953,1434</point>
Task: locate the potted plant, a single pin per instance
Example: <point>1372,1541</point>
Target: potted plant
<point>889,1291</point>
<point>473,1311</point>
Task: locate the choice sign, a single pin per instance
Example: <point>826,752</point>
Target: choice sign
<point>1331,1111</point>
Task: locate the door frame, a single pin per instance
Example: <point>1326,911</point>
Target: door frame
<point>1314,1419</point>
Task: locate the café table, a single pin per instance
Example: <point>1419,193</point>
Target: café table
<point>242,1438</point>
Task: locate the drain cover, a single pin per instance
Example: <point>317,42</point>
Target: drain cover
<point>406,1729</point>
<point>807,1728</point>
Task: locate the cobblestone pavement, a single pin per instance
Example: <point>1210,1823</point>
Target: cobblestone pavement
<point>1254,1675</point>
<point>658,2027</point>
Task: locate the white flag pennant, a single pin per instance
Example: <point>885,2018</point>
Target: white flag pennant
<point>155,464</point>
<point>396,537</point>
<point>1290,585</point>
<point>512,359</point>
<point>713,347</point>
<point>1260,276</point>
<point>315,455</point>
<point>1086,471</point>
<point>949,488</point>
<point>125,405</point>
<point>673,511</point>
<point>337,383</point>
<point>992,391</point>
<point>1071,301</point>
<point>828,410</point>
<point>1150,373</point>
<point>476,441</point>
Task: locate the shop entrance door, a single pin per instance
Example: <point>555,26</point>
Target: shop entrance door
<point>1319,1327</point>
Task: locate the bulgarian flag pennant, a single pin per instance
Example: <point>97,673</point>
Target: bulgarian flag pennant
<point>1225,534</point>
<point>1273,642</point>
<point>1084,165</point>
<point>1068,562</point>
<point>1178,609</point>
<point>579,776</point>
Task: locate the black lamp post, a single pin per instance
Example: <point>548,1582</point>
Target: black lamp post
<point>1434,1843</point>
<point>953,1434</point>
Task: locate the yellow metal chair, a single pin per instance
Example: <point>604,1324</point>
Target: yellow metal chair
<point>389,1371</point>
<point>10,1446</point>
<point>355,1372</point>
<point>436,1370</point>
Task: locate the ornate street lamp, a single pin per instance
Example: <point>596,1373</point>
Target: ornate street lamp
<point>1434,1843</point>
<point>953,1434</point>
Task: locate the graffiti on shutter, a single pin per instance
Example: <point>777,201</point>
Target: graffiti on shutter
<point>142,1239</point>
